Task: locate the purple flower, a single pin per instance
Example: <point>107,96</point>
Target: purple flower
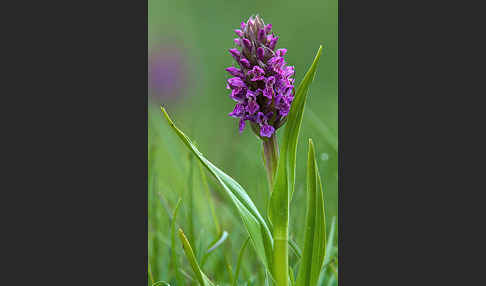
<point>252,107</point>
<point>262,85</point>
<point>241,124</point>
<point>234,71</point>
<point>238,112</point>
<point>267,130</point>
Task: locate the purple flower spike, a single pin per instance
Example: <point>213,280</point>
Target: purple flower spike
<point>262,86</point>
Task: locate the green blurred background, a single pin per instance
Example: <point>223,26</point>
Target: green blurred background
<point>188,52</point>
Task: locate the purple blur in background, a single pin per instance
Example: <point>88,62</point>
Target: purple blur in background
<point>167,72</point>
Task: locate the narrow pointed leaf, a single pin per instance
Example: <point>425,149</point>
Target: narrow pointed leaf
<point>285,177</point>
<point>330,242</point>
<point>220,241</point>
<point>190,189</point>
<point>158,283</point>
<point>238,265</point>
<point>315,228</point>
<point>200,276</point>
<point>255,224</point>
<point>329,253</point>
<point>210,199</point>
<point>172,245</point>
<point>295,247</point>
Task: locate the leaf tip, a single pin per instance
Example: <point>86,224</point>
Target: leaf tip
<point>311,145</point>
<point>166,115</point>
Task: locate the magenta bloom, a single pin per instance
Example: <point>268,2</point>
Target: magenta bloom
<point>262,85</point>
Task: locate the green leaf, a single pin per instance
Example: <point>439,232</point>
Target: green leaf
<point>295,247</point>
<point>190,189</point>
<point>255,224</point>
<point>172,244</point>
<point>330,250</point>
<point>200,276</point>
<point>330,243</point>
<point>285,178</point>
<point>291,276</point>
<point>210,200</point>
<point>160,283</point>
<point>315,227</point>
<point>214,245</point>
<point>240,257</point>
<point>220,241</point>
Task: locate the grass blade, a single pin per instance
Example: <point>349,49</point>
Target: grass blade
<point>240,258</point>
<point>160,283</point>
<point>315,228</point>
<point>295,247</point>
<point>255,224</point>
<point>172,244</point>
<point>200,276</point>
<point>214,245</point>
<point>330,251</point>
<point>210,200</point>
<point>190,189</point>
<point>330,243</point>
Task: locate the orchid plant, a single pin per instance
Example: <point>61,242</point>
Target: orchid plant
<point>266,98</point>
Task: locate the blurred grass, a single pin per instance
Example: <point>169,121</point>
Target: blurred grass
<point>203,32</point>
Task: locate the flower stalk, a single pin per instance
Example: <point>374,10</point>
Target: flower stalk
<point>270,158</point>
<point>281,255</point>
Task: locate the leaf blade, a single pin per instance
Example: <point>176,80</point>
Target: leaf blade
<point>255,224</point>
<point>285,177</point>
<point>315,228</point>
<point>172,247</point>
<point>238,265</point>
<point>200,276</point>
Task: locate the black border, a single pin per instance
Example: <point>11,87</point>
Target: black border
<point>78,79</point>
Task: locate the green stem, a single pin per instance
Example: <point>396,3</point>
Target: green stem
<point>270,158</point>
<point>280,257</point>
<point>280,232</point>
